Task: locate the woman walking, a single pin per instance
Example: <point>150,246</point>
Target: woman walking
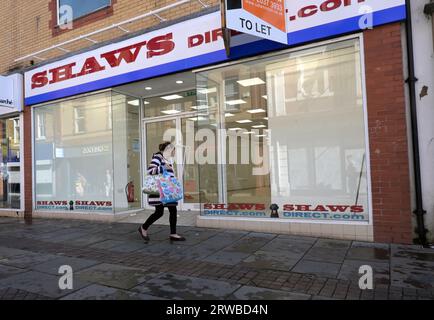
<point>159,160</point>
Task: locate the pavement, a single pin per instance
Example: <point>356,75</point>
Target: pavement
<point>110,261</point>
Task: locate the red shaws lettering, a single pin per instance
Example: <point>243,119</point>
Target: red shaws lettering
<point>235,206</point>
<point>156,46</point>
<point>39,80</point>
<point>94,203</point>
<point>324,208</point>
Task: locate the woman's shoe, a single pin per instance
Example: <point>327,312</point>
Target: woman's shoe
<point>172,238</point>
<point>145,238</point>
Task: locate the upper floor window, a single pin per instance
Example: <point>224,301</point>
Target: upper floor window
<point>79,120</point>
<point>75,9</point>
<point>40,126</point>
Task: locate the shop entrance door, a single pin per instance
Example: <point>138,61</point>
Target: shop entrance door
<point>175,129</point>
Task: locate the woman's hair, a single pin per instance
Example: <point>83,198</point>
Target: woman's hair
<point>164,145</point>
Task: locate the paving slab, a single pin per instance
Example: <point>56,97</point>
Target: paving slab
<point>40,283</point>
<point>128,246</point>
<point>197,236</point>
<point>368,253</point>
<point>162,248</point>
<point>323,269</point>
<point>251,242</point>
<point>99,292</point>
<point>350,271</point>
<point>326,254</point>
<point>26,259</point>
<point>333,244</point>
<point>294,249</point>
<point>270,260</point>
<point>7,271</point>
<point>106,244</point>
<point>52,266</point>
<point>260,294</point>
<point>410,278</point>
<point>178,287</point>
<point>226,257</point>
<point>114,275</point>
<point>88,240</point>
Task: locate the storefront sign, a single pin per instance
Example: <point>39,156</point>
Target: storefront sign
<point>235,210</point>
<point>196,43</point>
<point>261,18</point>
<point>11,93</point>
<point>352,213</point>
<point>78,205</point>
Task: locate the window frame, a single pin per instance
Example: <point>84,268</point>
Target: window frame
<point>40,126</point>
<point>77,18</point>
<point>79,118</point>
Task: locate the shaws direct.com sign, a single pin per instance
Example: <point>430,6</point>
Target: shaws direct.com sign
<point>198,42</point>
<point>78,205</point>
<point>319,212</point>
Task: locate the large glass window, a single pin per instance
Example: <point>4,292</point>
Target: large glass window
<point>81,8</point>
<point>291,132</point>
<point>96,170</point>
<point>10,165</point>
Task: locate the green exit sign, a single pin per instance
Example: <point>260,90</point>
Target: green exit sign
<point>190,93</point>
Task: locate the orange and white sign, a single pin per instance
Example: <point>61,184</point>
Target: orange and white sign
<point>261,18</point>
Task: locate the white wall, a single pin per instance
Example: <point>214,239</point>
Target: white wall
<point>424,69</point>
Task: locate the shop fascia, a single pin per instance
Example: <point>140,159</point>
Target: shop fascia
<point>11,94</point>
<point>195,43</point>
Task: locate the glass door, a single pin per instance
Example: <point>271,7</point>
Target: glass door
<point>176,130</point>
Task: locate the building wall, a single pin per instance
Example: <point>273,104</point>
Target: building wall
<point>424,69</point>
<point>27,26</point>
<point>388,135</point>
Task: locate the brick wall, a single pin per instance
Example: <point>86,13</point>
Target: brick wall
<point>27,26</point>
<point>388,135</point>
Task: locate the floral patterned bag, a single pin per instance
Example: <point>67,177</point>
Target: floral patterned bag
<point>170,188</point>
<point>151,184</point>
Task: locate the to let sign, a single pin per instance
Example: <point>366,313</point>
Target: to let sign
<point>261,18</point>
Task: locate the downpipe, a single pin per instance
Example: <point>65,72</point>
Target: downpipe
<point>419,211</point>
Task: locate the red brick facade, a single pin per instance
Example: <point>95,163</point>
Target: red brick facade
<point>28,175</point>
<point>388,135</point>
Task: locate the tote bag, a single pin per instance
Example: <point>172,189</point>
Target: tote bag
<point>170,188</point>
<point>151,184</point>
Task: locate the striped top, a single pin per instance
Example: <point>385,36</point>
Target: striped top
<point>157,164</point>
<point>156,167</point>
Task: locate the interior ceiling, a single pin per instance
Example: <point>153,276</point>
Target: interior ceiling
<point>160,86</point>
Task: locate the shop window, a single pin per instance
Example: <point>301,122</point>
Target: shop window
<point>292,134</point>
<point>10,164</point>
<point>79,120</point>
<point>96,170</point>
<point>79,8</point>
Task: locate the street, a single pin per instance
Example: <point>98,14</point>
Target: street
<point>110,261</point>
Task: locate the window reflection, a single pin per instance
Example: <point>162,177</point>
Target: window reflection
<point>306,110</point>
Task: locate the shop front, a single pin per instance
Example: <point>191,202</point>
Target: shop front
<point>11,173</point>
<point>273,138</point>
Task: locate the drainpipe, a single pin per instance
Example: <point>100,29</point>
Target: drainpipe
<point>429,10</point>
<point>419,212</point>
